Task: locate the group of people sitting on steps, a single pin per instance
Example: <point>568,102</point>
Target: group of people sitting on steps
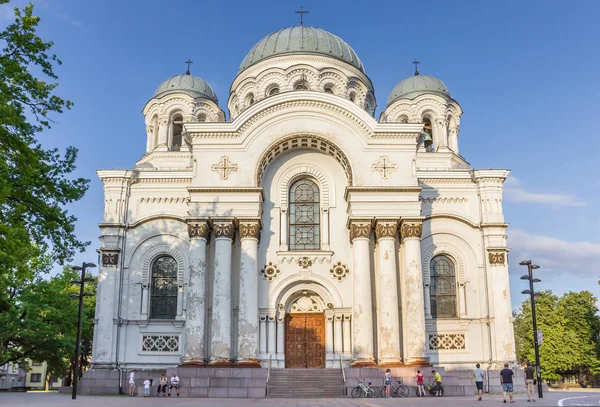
<point>163,382</point>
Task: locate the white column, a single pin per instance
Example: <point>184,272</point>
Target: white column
<point>325,229</point>
<point>103,353</point>
<point>262,335</point>
<point>281,335</point>
<point>362,306</point>
<point>283,238</point>
<point>179,315</point>
<point>163,131</point>
<point>329,333</point>
<point>145,293</point>
<point>337,334</point>
<point>271,341</point>
<point>389,321</point>
<point>414,316</point>
<point>346,333</point>
<point>223,231</point>
<point>196,303</point>
<point>149,138</point>
<point>248,314</point>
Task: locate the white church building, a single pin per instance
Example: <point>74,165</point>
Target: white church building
<point>299,230</point>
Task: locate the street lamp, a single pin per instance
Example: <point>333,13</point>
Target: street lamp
<point>81,294</point>
<point>532,294</point>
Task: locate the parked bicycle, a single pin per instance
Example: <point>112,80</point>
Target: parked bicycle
<point>362,390</point>
<point>430,388</point>
<point>399,390</point>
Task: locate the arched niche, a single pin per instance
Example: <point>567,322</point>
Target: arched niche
<point>298,283</point>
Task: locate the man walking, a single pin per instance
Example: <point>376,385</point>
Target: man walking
<point>132,383</point>
<point>479,374</point>
<point>529,372</point>
<point>506,380</point>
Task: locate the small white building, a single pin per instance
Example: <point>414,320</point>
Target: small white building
<point>303,230</point>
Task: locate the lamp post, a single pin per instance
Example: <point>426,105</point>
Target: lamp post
<point>532,294</point>
<point>81,282</point>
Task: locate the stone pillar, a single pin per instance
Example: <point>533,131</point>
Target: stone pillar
<point>389,321</point>
<point>281,334</point>
<point>103,352</point>
<point>362,307</point>
<point>346,333</point>
<point>337,334</point>
<point>271,341</point>
<point>223,231</point>
<point>414,314</point>
<point>325,229</point>
<point>283,237</point>
<point>248,314</point>
<point>149,138</point>
<point>196,303</point>
<point>328,333</point>
<point>262,335</point>
<point>163,133</point>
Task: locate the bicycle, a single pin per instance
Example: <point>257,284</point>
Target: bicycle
<point>430,388</point>
<point>365,391</point>
<point>399,390</point>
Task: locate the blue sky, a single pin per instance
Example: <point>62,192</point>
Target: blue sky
<point>525,73</point>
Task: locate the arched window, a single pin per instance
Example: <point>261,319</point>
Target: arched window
<point>273,91</point>
<point>163,293</point>
<point>328,89</point>
<point>250,99</point>
<point>352,97</point>
<point>201,117</point>
<point>443,287</point>
<point>301,86</point>
<point>304,217</point>
<point>176,130</point>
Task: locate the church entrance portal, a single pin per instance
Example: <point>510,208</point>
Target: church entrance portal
<point>305,340</point>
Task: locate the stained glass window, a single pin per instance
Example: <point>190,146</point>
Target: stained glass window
<point>304,216</point>
<point>442,288</point>
<point>163,294</point>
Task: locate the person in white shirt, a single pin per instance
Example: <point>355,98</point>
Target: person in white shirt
<point>132,383</point>
<point>147,387</point>
<point>174,383</point>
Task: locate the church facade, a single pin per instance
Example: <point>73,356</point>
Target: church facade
<point>303,231</point>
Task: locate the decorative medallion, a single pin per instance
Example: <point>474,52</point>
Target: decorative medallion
<point>411,229</point>
<point>223,229</point>
<point>442,341</point>
<point>110,259</point>
<point>270,271</point>
<point>249,229</point>
<point>386,229</point>
<point>224,167</point>
<point>497,258</point>
<point>305,262</point>
<point>383,166</point>
<point>360,229</point>
<point>339,271</point>
<point>198,230</point>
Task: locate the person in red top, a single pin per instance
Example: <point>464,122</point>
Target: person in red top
<point>420,388</point>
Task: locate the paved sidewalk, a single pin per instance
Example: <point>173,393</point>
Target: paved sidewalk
<point>60,400</point>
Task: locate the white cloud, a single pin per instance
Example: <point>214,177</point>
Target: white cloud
<point>554,255</point>
<point>514,191</point>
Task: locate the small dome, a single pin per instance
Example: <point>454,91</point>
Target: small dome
<point>301,40</point>
<point>416,85</point>
<point>188,84</point>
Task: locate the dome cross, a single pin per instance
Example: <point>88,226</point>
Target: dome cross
<point>188,62</point>
<point>416,66</point>
<point>301,12</point>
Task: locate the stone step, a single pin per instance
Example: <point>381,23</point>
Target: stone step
<point>306,383</point>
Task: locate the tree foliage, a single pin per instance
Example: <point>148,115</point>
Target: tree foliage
<point>570,327</point>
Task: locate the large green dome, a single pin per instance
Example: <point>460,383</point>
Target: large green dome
<point>301,40</point>
<point>417,85</point>
<point>188,84</point>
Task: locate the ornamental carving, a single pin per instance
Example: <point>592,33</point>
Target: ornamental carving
<point>360,230</point>
<point>110,259</point>
<point>198,230</point>
<point>160,343</point>
<point>223,229</point>
<point>447,342</point>
<point>270,271</point>
<point>339,271</point>
<point>249,229</point>
<point>224,167</point>
<point>411,230</point>
<point>305,262</point>
<point>384,167</point>
<point>386,229</point>
<point>497,258</point>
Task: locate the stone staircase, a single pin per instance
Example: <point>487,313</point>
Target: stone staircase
<point>305,383</point>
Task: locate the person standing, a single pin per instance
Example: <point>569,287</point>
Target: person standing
<point>420,385</point>
<point>437,383</point>
<point>132,383</point>
<point>506,380</point>
<point>478,375</point>
<point>162,385</point>
<point>388,383</point>
<point>147,387</point>
<point>529,374</point>
<point>174,384</point>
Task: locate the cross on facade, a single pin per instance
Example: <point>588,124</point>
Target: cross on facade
<point>416,67</point>
<point>301,12</point>
<point>224,167</point>
<point>384,166</point>
<point>188,62</point>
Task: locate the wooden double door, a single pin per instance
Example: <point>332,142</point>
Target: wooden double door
<point>305,340</point>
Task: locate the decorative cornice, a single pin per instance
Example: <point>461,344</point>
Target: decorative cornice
<point>221,190</point>
<point>198,229</point>
<point>249,228</point>
<point>223,228</point>
<point>360,229</point>
<point>386,228</point>
<point>411,228</point>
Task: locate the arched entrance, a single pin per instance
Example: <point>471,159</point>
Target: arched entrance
<point>305,331</point>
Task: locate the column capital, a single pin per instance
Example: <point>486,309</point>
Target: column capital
<point>198,228</point>
<point>411,228</point>
<point>360,228</point>
<point>249,228</point>
<point>223,228</point>
<point>386,228</point>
